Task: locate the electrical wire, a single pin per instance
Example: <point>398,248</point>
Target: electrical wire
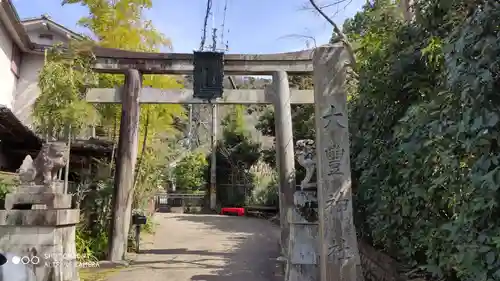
<point>205,22</point>
<point>223,26</point>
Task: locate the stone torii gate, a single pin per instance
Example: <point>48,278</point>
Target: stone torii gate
<point>337,248</point>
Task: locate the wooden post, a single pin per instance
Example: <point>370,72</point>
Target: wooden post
<point>339,256</point>
<point>213,159</point>
<point>66,169</point>
<point>125,166</point>
<point>284,152</point>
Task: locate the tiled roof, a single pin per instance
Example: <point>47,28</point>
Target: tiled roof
<point>13,131</point>
<point>48,19</point>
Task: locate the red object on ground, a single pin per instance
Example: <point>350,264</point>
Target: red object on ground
<point>232,211</point>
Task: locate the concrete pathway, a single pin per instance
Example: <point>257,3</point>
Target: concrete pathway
<point>206,248</point>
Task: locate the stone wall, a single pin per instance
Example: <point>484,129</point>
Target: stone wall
<point>377,266</point>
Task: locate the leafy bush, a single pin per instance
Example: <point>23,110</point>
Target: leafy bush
<point>265,191</point>
<point>190,172</point>
<point>424,129</point>
<point>94,201</point>
<point>237,152</point>
<point>4,189</point>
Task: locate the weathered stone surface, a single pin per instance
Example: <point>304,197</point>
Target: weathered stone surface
<point>38,217</point>
<point>284,152</point>
<point>185,96</point>
<point>376,265</point>
<point>27,171</point>
<point>50,199</point>
<point>303,219</point>
<point>56,187</point>
<point>118,61</point>
<point>51,250</point>
<point>306,156</point>
<point>303,249</point>
<point>339,248</point>
<point>43,169</point>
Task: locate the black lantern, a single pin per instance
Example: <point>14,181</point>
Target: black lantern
<point>208,75</point>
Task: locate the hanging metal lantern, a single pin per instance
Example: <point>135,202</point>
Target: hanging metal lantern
<point>208,75</point>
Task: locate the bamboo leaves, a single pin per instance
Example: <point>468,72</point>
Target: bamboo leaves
<point>63,81</point>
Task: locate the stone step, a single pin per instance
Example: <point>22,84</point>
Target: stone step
<point>26,200</point>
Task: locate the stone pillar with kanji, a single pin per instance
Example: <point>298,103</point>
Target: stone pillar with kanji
<point>339,256</point>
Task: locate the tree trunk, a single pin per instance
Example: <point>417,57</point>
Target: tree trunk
<point>407,10</point>
<point>125,167</point>
<point>339,256</point>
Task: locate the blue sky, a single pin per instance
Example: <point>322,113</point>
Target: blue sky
<point>252,26</point>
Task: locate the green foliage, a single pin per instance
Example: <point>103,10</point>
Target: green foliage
<point>5,188</point>
<point>94,201</point>
<point>150,226</point>
<point>190,172</point>
<point>238,148</point>
<point>424,130</point>
<point>90,248</point>
<point>150,177</point>
<point>236,154</point>
<point>265,191</point>
<point>63,82</point>
<point>302,122</point>
<point>121,24</point>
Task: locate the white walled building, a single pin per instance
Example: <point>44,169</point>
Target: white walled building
<point>22,45</point>
<point>43,32</point>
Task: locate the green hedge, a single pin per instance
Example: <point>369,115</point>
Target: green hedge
<point>424,124</point>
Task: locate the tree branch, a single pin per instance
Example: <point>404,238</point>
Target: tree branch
<point>326,6</point>
<point>301,36</point>
<point>340,35</point>
<point>320,11</point>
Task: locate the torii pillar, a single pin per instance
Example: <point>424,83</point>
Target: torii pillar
<point>284,145</point>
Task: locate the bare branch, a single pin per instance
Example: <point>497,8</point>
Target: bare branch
<point>306,7</point>
<point>340,35</point>
<point>301,36</point>
<point>345,6</point>
<point>320,11</point>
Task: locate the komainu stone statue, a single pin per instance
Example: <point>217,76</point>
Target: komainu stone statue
<point>306,156</point>
<point>43,170</point>
<point>26,172</point>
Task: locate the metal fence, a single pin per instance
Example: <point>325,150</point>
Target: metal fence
<point>233,195</point>
<point>164,201</point>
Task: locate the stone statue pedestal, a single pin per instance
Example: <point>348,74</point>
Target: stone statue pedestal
<point>303,258</point>
<point>30,200</point>
<point>39,226</point>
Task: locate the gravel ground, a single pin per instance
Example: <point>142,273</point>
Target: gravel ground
<point>206,248</point>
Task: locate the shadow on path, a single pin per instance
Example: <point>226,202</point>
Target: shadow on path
<point>254,252</point>
<point>189,247</point>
